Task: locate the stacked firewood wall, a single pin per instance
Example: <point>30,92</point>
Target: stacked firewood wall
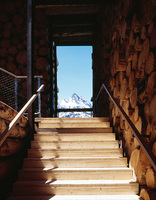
<point>13,43</point>
<point>127,55</point>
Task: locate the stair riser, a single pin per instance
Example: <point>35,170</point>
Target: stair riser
<point>108,175</point>
<point>74,153</point>
<point>74,125</point>
<point>80,190</point>
<point>74,137</point>
<point>67,120</point>
<point>92,163</point>
<point>74,145</point>
<point>75,130</point>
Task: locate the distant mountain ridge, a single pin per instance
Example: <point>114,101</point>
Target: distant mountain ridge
<point>75,101</point>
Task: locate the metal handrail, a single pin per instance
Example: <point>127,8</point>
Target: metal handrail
<point>146,148</point>
<point>74,109</point>
<point>12,124</point>
<point>15,76</point>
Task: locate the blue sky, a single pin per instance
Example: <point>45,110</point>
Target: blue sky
<point>74,71</point>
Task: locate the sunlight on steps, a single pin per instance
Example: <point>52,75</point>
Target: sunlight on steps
<point>78,162</point>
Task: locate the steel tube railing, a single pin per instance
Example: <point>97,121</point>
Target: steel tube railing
<point>146,148</point>
<point>12,124</point>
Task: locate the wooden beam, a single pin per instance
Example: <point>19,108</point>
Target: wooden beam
<point>57,35</point>
<point>71,10</point>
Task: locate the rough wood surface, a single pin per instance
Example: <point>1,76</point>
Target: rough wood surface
<point>151,178</point>
<point>150,89</point>
<point>7,113</point>
<point>149,67</point>
<point>133,97</point>
<point>147,194</point>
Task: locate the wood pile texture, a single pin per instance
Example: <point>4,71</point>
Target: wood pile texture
<point>13,44</point>
<point>125,60</point>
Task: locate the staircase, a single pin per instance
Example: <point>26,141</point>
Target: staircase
<point>75,159</point>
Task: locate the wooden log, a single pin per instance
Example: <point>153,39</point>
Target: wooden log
<point>136,143</point>
<point>141,173</point>
<point>9,7</point>
<point>8,113</point>
<point>18,19</point>
<point>132,81</point>
<point>3,62</point>
<point>22,57</point>
<point>4,43</point>
<point>150,89</point>
<point>138,45</point>
<point>135,115</point>
<point>123,89</point>
<point>8,26</point>
<point>151,178</point>
<point>128,70</point>
<point>3,17</point>
<point>16,132</point>
<point>152,109</point>
<point>135,61</point>
<point>138,125</point>
<point>6,34</point>
<point>11,67</point>
<point>146,48</point>
<point>117,80</point>
<point>141,61</point>
<point>43,51</point>
<point>42,42</point>
<point>149,67</point>
<point>143,33</point>
<point>11,146</point>
<point>134,159</point>
<point>12,50</point>
<point>121,77</point>
<point>147,194</point>
<point>135,24</point>
<point>144,160</point>
<point>147,111</point>
<point>122,123</point>
<point>116,92</point>
<point>150,27</point>
<point>154,148</point>
<point>3,52</point>
<point>41,63</point>
<point>126,8</point>
<point>131,39</point>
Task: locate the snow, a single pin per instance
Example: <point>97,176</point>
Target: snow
<point>75,101</point>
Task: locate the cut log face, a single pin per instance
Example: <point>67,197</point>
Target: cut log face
<point>152,115</point>
<point>8,114</point>
<point>149,67</point>
<point>123,89</point>
<point>151,178</point>
<point>133,97</point>
<point>143,158</point>
<point>151,90</point>
<point>135,61</point>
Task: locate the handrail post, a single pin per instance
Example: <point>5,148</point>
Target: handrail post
<point>39,98</point>
<point>30,74</point>
<point>16,94</point>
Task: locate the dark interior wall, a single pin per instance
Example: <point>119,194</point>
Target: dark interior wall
<point>13,44</point>
<point>125,60</point>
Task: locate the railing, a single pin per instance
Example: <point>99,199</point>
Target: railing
<point>146,148</point>
<point>75,110</point>
<point>11,88</point>
<point>12,124</point>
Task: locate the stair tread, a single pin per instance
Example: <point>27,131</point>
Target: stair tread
<point>77,197</point>
<point>77,183</point>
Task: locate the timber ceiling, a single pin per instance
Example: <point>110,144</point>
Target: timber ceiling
<point>72,22</point>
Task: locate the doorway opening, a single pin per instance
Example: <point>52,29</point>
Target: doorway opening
<point>74,79</point>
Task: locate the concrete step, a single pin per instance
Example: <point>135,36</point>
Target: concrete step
<point>48,153</point>
<point>67,120</point>
<point>75,130</point>
<point>75,174</point>
<point>76,187</point>
<point>74,137</point>
<point>74,125</point>
<point>74,144</point>
<point>85,162</point>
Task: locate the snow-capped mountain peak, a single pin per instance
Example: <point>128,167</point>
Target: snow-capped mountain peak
<point>75,101</point>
